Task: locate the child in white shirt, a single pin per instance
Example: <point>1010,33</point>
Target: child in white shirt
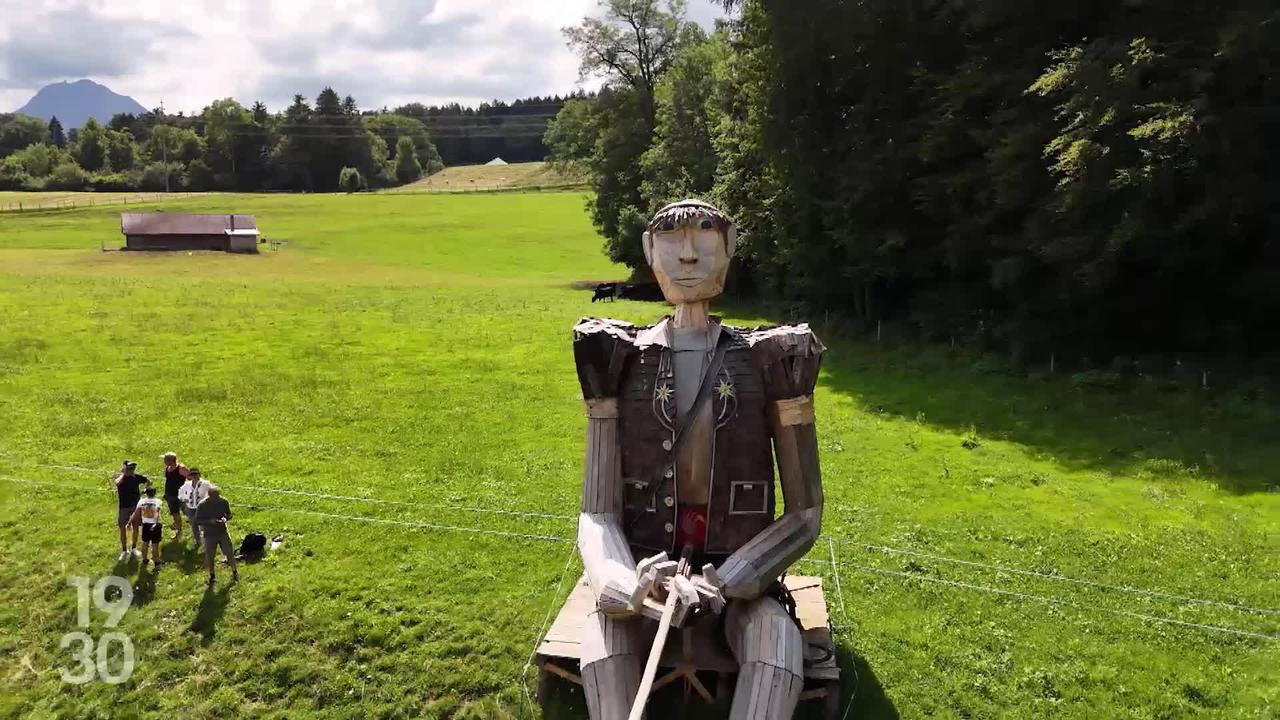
<point>148,515</point>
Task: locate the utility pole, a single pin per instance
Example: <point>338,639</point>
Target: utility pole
<point>164,150</point>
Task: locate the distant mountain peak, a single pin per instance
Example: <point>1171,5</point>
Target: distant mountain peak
<point>75,102</point>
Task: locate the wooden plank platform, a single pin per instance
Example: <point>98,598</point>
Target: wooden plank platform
<point>700,646</point>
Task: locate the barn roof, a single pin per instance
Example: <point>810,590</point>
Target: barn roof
<point>164,223</point>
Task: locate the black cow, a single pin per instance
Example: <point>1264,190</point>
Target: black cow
<point>648,291</point>
<point>605,291</point>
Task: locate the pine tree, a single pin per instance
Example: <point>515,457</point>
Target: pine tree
<point>349,180</point>
<point>407,167</point>
<point>57,137</point>
<point>90,147</point>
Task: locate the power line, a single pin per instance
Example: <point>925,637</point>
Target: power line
<point>514,513</point>
<point>327,496</point>
<point>879,548</point>
<point>551,607</point>
<point>861,568</point>
<point>336,516</point>
<point>1063,578</point>
<point>1052,601</point>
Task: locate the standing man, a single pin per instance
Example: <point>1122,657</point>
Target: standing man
<point>175,474</point>
<point>128,483</point>
<point>212,516</point>
<point>192,493</point>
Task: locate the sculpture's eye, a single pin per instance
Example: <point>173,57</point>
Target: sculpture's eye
<point>667,226</point>
<point>706,224</point>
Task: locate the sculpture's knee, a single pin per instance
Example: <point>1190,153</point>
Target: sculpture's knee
<point>605,637</point>
<point>761,631</point>
<point>610,660</point>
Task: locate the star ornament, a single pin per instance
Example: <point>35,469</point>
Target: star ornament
<point>725,389</point>
<point>664,392</point>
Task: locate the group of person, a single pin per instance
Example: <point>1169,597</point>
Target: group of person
<point>186,495</point>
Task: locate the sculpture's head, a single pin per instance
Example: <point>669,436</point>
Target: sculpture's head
<point>688,245</point>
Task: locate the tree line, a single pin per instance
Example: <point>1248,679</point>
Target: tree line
<point>471,136</point>
<point>1095,177</point>
<point>317,147</point>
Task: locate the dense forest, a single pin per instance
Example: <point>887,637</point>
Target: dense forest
<point>307,146</point>
<point>1101,178</point>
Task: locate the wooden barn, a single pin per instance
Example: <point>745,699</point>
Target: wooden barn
<point>185,231</point>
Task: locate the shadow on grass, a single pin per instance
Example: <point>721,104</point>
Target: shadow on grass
<point>1102,422</point>
<point>183,555</point>
<point>144,590</point>
<point>860,688</point>
<point>1123,428</point>
<point>860,692</point>
<point>212,606</point>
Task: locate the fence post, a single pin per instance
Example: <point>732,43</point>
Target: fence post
<point>1052,358</point>
<point>878,322</point>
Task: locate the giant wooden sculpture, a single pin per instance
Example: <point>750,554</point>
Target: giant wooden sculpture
<point>685,420</point>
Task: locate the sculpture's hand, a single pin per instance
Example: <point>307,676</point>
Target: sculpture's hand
<point>658,579</point>
<point>708,593</point>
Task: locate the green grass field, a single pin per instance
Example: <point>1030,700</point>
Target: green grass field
<point>990,529</point>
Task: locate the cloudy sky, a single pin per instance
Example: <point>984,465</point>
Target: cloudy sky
<point>383,52</point>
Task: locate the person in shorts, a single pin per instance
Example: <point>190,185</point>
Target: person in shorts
<point>128,485</point>
<point>175,474</point>
<point>212,517</point>
<point>148,514</point>
<point>192,493</point>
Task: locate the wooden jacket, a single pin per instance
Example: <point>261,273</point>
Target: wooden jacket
<point>633,364</point>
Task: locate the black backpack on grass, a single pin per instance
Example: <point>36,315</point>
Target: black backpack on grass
<point>253,544</point>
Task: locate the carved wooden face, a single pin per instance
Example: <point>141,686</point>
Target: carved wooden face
<point>690,255</point>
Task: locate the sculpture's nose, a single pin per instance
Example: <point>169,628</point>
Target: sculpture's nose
<point>687,253</point>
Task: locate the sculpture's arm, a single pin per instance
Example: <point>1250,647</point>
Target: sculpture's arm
<point>787,360</point>
<point>748,572</point>
<point>611,569</point>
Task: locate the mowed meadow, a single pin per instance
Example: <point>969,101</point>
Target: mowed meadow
<point>393,391</point>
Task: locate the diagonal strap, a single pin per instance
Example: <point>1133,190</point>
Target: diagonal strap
<point>686,421</point>
<point>704,392</point>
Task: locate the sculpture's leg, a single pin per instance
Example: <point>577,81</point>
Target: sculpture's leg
<point>770,653</point>
<point>612,651</point>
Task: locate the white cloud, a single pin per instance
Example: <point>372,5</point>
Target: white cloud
<point>382,52</point>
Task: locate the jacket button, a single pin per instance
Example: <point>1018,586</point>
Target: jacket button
<point>666,444</point>
<point>669,527</point>
<point>669,473</point>
<point>669,501</point>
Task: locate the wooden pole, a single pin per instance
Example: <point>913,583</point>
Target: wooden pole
<point>655,654</point>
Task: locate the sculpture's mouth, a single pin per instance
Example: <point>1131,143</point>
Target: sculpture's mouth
<point>689,281</point>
